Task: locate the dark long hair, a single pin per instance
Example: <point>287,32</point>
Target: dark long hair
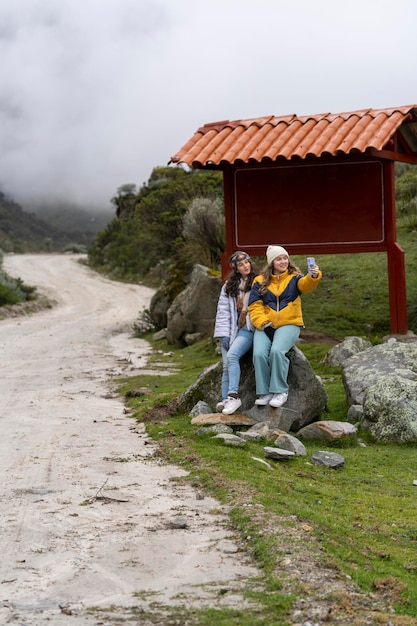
<point>234,278</point>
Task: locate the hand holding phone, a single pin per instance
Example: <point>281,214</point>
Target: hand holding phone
<point>311,263</point>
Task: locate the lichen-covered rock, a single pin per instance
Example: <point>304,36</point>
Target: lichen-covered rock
<point>363,370</point>
<point>390,410</point>
<point>347,348</point>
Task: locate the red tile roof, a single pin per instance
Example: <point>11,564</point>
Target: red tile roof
<point>270,138</point>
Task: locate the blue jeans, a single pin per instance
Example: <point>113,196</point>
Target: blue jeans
<point>270,359</point>
<point>231,361</point>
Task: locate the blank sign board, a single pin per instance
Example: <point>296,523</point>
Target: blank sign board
<point>340,203</point>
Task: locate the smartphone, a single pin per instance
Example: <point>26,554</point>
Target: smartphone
<point>311,262</point>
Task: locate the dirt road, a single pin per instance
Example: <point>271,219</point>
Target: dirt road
<point>85,509</point>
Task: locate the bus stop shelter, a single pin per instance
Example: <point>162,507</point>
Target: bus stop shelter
<point>317,184</point>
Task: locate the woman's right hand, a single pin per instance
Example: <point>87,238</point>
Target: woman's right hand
<point>269,331</point>
<point>225,343</point>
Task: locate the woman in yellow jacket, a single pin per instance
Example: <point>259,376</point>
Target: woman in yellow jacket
<point>275,311</point>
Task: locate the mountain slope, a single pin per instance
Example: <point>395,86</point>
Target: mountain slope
<point>21,231</point>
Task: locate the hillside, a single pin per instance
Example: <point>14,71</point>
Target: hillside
<point>54,228</point>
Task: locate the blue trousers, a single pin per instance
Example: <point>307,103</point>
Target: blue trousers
<point>270,359</point>
<point>231,361</point>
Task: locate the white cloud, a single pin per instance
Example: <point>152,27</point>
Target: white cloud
<point>95,93</point>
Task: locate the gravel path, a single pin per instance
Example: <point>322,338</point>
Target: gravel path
<point>85,508</point>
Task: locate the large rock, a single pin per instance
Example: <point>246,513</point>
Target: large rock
<point>306,392</point>
<point>206,388</point>
<point>158,308</point>
<point>194,309</point>
<point>347,348</point>
<point>381,388</point>
<point>390,410</point>
<point>365,369</point>
<point>306,398</point>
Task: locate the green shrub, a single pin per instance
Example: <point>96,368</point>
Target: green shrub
<point>13,290</point>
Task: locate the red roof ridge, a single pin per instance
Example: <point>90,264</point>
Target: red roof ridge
<point>272,137</point>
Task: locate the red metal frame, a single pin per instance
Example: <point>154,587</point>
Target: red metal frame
<point>245,223</point>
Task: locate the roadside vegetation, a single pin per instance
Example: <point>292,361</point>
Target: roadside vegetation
<point>13,290</point>
<point>341,539</point>
<point>337,541</point>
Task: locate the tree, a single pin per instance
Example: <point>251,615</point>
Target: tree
<point>149,223</point>
<point>125,201</point>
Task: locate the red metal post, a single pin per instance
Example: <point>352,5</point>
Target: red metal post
<point>229,222</point>
<point>395,258</point>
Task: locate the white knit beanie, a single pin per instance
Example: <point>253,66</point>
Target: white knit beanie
<point>273,251</point>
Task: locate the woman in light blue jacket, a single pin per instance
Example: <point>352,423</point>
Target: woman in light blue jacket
<point>231,327</point>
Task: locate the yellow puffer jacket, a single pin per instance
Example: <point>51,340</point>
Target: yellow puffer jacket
<point>281,304</point>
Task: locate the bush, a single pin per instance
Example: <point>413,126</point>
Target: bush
<point>204,230</point>
<point>13,290</point>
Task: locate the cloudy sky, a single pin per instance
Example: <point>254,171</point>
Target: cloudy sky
<point>96,93</point>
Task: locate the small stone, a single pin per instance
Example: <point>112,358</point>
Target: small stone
<point>328,429</point>
<point>278,454</point>
<point>231,440</point>
<point>201,408</point>
<point>249,435</point>
<point>179,522</point>
<point>218,418</point>
<point>328,459</point>
<point>216,429</point>
<point>288,442</point>
<point>268,465</point>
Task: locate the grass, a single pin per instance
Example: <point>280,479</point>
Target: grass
<point>353,297</point>
<point>358,522</point>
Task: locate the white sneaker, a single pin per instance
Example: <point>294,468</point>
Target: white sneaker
<point>263,400</point>
<point>220,406</point>
<point>278,399</point>
<point>232,405</point>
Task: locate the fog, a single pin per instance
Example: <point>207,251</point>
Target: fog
<point>96,93</point>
